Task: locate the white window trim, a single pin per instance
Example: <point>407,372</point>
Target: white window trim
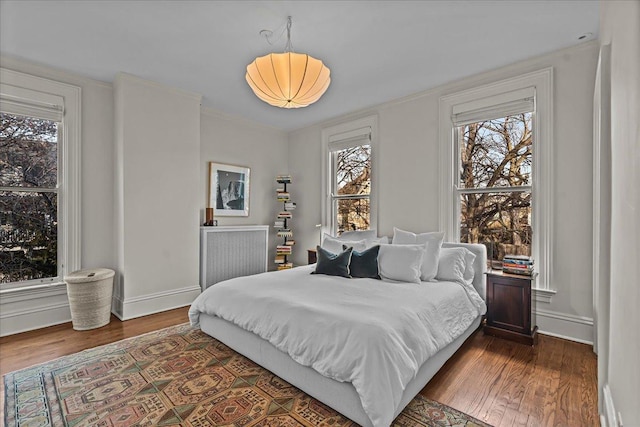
<point>542,172</point>
<point>69,177</point>
<point>343,132</point>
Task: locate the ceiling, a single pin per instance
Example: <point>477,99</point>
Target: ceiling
<point>377,50</point>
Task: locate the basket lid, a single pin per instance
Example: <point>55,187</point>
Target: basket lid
<point>89,275</point>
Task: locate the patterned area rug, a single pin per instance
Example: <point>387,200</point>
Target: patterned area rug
<point>177,376</point>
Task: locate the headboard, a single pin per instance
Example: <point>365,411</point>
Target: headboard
<point>479,264</point>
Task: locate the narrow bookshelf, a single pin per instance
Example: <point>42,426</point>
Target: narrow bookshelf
<point>283,251</point>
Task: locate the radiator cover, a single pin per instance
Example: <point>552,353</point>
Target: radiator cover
<point>232,251</point>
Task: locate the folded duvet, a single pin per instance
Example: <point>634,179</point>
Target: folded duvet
<point>371,333</point>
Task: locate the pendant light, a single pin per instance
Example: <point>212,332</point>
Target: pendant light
<point>289,79</point>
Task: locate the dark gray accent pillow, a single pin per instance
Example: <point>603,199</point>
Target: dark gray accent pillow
<point>333,264</point>
<point>365,264</point>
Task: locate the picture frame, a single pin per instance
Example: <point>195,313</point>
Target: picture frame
<point>229,189</point>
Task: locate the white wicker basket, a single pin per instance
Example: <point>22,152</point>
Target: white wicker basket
<point>90,293</point>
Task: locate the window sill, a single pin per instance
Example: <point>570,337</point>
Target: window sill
<point>543,295</point>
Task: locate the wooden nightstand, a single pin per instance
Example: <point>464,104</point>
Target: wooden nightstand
<point>312,256</point>
<point>509,307</point>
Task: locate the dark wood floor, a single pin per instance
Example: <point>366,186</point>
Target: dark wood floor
<point>497,381</point>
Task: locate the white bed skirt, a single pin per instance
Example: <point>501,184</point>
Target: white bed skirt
<point>338,395</point>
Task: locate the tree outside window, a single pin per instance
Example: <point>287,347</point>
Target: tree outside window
<point>28,198</point>
<point>494,186</point>
<point>352,188</point>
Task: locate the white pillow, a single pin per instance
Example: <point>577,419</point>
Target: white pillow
<point>432,242</point>
<point>334,245</point>
<point>469,272</point>
<point>358,235</point>
<point>400,262</point>
<point>456,265</point>
<point>384,240</point>
<point>451,265</point>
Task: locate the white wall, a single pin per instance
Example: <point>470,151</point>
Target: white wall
<point>409,174</point>
<point>157,140</point>
<point>620,27</point>
<point>235,141</point>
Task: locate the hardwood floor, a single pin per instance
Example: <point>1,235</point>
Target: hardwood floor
<point>500,382</point>
<point>508,384</point>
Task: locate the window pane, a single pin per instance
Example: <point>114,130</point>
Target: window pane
<point>501,221</point>
<point>496,153</point>
<point>28,152</point>
<point>352,214</point>
<point>28,236</point>
<point>353,170</point>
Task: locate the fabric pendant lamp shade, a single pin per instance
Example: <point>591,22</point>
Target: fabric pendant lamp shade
<point>288,80</point>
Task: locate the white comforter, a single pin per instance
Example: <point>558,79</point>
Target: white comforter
<point>372,333</point>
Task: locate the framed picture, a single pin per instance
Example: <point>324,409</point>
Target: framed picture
<point>229,189</point>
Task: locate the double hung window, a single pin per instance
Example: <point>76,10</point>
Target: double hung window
<point>29,164</point>
<point>39,181</point>
<point>497,170</point>
<point>494,153</point>
<point>350,150</point>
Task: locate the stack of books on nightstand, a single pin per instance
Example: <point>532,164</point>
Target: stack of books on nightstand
<point>518,264</point>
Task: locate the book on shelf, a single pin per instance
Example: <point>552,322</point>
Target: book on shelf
<point>290,242</point>
<point>285,232</point>
<point>283,179</point>
<point>283,197</point>
<point>279,223</point>
<point>285,266</point>
<point>289,206</point>
<point>283,250</point>
<point>279,259</point>
<point>285,214</point>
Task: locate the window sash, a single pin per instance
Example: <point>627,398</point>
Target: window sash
<point>334,173</point>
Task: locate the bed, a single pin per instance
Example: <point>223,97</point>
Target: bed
<point>367,371</point>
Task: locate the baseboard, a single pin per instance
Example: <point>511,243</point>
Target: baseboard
<point>130,308</point>
<point>566,326</point>
<point>609,418</point>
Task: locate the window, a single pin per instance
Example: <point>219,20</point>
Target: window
<point>497,170</point>
<point>349,150</point>
<point>29,159</point>
<point>494,186</point>
<point>39,181</point>
<point>351,188</point>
